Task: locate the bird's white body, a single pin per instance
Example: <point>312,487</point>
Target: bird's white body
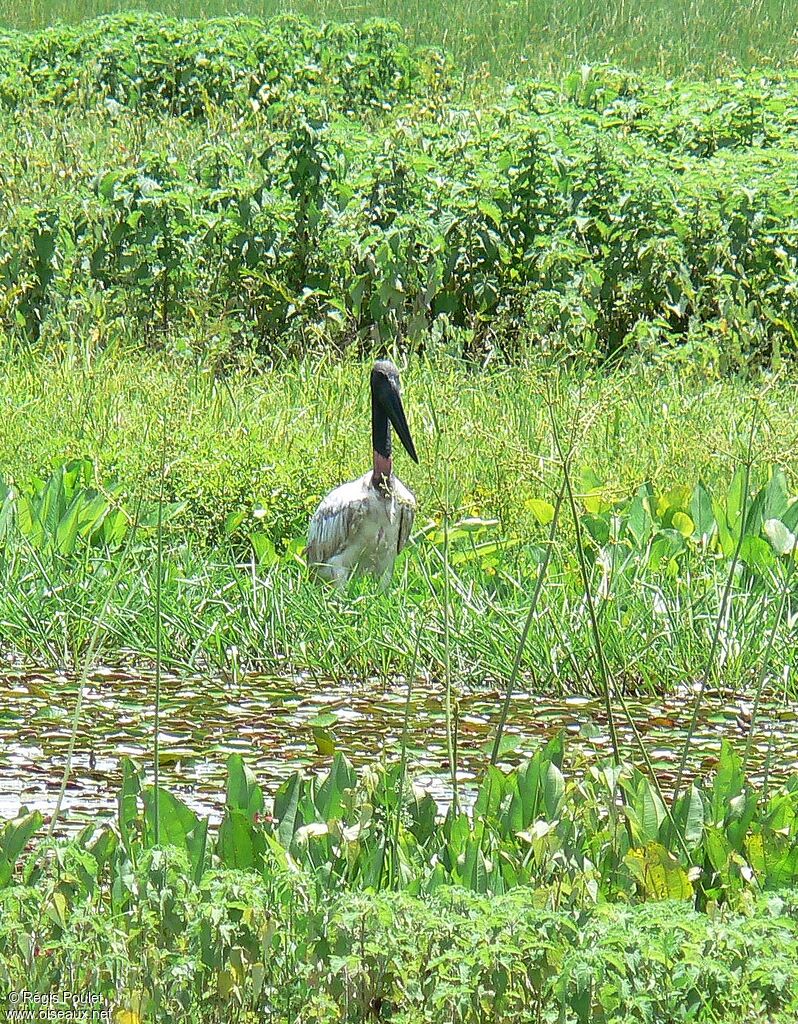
<point>360,528</point>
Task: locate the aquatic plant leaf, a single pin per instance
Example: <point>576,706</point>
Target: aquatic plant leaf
<point>728,542</point>
<point>659,873</point>
<point>776,495</point>
<point>13,839</point>
<point>127,801</point>
<point>756,553</point>
<point>325,742</point>
<point>243,792</point>
<point>639,521</point>
<point>683,524</point>
<point>689,815</point>
<point>729,781</point>
<point>490,793</point>
<point>543,511</point>
<point>286,805</point>
<point>176,820</point>
<point>330,797</point>
<point>646,812</point>
<point>701,512</point>
<point>238,845</point>
<point>782,539</point>
<point>735,501</point>
<point>665,546</point>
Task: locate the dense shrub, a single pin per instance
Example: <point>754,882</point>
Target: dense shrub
<point>344,195</point>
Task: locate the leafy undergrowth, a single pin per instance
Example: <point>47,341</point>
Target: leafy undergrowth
<point>287,187</point>
<point>298,914</point>
<point>232,947</point>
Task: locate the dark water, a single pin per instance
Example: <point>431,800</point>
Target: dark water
<point>275,723</point>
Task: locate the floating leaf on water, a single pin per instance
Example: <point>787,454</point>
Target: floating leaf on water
<point>507,744</point>
<point>323,720</point>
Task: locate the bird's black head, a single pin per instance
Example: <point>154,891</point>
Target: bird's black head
<point>386,405</point>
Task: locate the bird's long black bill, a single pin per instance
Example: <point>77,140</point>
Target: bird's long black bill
<point>396,414</point>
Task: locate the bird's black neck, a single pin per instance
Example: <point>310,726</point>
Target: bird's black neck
<point>380,430</point>
<point>381,443</point>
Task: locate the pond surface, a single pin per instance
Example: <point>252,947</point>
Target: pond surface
<point>275,723</point>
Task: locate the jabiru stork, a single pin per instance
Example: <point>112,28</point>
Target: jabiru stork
<point>361,526</point>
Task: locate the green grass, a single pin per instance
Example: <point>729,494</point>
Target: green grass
<point>694,38</point>
<point>660,217</point>
<point>249,456</point>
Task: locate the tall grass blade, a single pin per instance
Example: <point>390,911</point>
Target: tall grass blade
<point>519,650</point>
<point>743,513</point>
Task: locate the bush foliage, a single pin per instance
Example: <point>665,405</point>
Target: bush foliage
<point>306,186</point>
<point>327,911</point>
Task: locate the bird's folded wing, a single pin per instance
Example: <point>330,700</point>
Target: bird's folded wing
<point>332,527</point>
<point>407,513</point>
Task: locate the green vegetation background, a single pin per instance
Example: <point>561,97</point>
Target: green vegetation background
<point>667,240</point>
<point>693,38</point>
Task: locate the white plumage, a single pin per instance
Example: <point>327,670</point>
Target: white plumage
<point>362,526</point>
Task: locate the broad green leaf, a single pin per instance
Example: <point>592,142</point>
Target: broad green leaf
<point>782,539</point>
<point>238,845</point>
<point>665,546</point>
<point>13,839</point>
<point>67,530</point>
<point>423,815</point>
<point>588,487</point>
<point>718,848</point>
<point>728,543</point>
<point>672,501</point>
<point>176,820</point>
<point>553,790</point>
<point>490,793</point>
<point>323,720</point>
<point>683,523</point>
<point>639,521</point>
<point>659,873</point>
<point>735,501</point>
<point>647,812</point>
<point>243,792</point>
<point>689,814</point>
<point>554,750</point>
<point>325,741</point>
<point>776,496</point>
<point>508,743</point>
<point>739,817</point>
<point>127,801</point>
<point>701,512</point>
<point>598,527</point>
<point>756,553</point>
<point>330,797</point>
<point>286,805</point>
<point>542,510</point>
<point>790,517</point>
<point>728,782</point>
<point>775,859</point>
